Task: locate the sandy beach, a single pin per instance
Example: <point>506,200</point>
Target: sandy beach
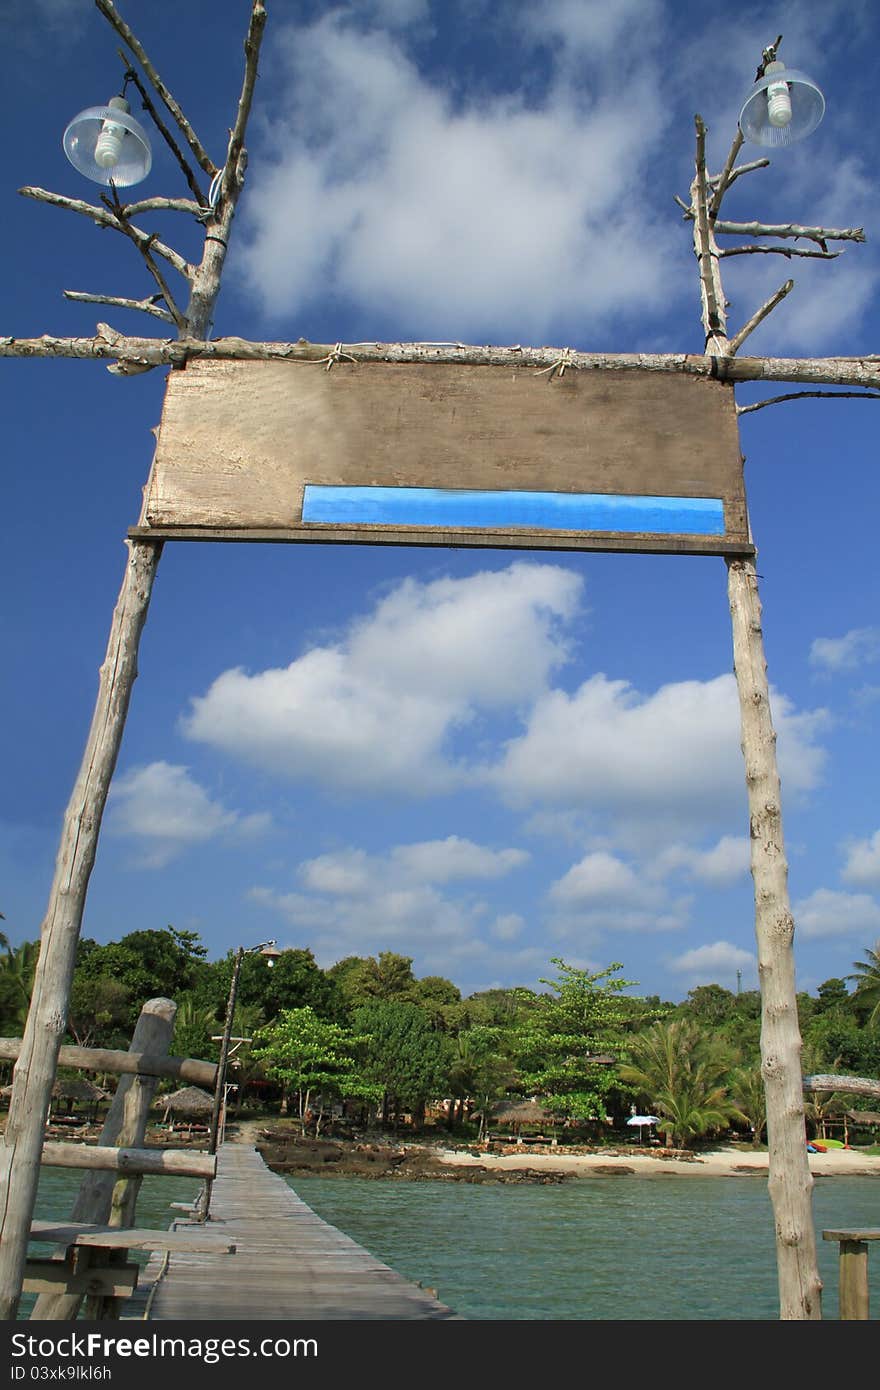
<point>720,1162</point>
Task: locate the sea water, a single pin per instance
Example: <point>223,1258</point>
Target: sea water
<point>656,1248</point>
<point>659,1248</point>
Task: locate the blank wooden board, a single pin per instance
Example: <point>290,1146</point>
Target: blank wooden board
<point>448,454</point>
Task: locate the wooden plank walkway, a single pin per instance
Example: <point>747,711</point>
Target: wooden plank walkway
<point>288,1263</point>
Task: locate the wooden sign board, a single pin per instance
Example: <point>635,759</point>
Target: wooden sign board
<point>448,454</point>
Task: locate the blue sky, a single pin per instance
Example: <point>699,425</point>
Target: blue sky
<point>475,758</point>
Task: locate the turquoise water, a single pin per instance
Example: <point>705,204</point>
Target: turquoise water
<point>595,1248</point>
<point>657,1249</point>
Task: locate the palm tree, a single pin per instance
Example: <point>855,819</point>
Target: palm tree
<point>867,978</point>
<point>747,1085</point>
<point>683,1074</point>
<point>16,982</point>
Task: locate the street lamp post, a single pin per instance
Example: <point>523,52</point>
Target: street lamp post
<point>268,950</point>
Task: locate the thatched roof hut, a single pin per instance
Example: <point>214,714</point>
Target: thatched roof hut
<point>516,1113</point>
<point>190,1102</point>
<point>73,1088</point>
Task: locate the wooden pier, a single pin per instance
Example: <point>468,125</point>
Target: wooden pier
<point>287,1264</point>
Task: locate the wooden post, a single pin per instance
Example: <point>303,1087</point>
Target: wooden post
<point>790,1180</point>
<point>103,1198</point>
<point>34,1073</point>
<point>47,1017</point>
<point>854,1280</point>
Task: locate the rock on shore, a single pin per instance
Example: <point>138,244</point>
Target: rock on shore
<point>325,1158</point>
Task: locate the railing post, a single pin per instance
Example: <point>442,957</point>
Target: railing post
<point>854,1280</point>
<point>105,1198</point>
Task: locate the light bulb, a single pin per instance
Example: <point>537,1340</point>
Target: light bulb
<point>108,146</point>
<point>778,98</point>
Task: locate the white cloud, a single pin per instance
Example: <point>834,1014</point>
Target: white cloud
<point>441,861</point>
<point>854,649</point>
<point>673,754</point>
<point>863,862</point>
<point>508,926</point>
<point>378,710</point>
<point>724,863</point>
<point>713,963</point>
<point>602,893</point>
<point>828,912</point>
<point>601,879</point>
<point>357,903</point>
<point>466,215</point>
<point>163,808</point>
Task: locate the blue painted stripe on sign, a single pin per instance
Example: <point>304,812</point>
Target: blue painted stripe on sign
<point>546,511</point>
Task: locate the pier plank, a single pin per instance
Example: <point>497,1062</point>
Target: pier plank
<point>288,1265</point>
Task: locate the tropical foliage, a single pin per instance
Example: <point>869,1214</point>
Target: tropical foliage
<point>369,1037</point>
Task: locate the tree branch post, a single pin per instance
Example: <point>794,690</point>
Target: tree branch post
<point>34,1073</point>
<point>790,1181</point>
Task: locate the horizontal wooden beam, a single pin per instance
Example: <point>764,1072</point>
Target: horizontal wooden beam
<point>111,346</point>
<point>854,1233</point>
<point>857,1085</point>
<point>108,1159</point>
<point>58,1276</point>
<point>484,540</point>
<point>125,1063</point>
<point>194,1238</point>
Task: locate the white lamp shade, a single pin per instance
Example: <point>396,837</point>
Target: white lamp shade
<point>107,145</point>
<point>806,102</point>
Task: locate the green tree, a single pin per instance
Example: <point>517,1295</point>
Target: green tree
<point>314,1058</point>
<point>747,1089</point>
<point>386,976</point>
<point>17,966</point>
<point>681,1073</point>
<point>404,1055</point>
<point>99,1011</point>
<point>867,981</point>
<point>558,1036</point>
<point>482,1068</point>
<point>195,1026</point>
<point>295,981</point>
<point>147,963</point>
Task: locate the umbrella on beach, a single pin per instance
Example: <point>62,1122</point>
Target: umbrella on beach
<point>642,1120</point>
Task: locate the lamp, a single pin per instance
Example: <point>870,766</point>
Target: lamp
<point>270,953</point>
<point>108,145</point>
<point>783,106</point>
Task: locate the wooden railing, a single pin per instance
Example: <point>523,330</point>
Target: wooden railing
<point>90,1261</point>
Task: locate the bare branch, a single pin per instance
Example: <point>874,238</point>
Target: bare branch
<point>787,251</point>
<point>163,130</point>
<point>791,229</point>
<point>105,218</point>
<point>163,205</point>
<point>714,318</point>
<point>146,306</point>
<point>742,169</point>
<point>758,317</point>
<point>144,245</point>
<point>108,10</point>
<point>158,352</point>
<point>688,210</point>
<point>801,395</point>
<point>252,44</point>
<point>721,183</point>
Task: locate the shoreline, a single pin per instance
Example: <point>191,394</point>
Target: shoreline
<point>432,1158</point>
<point>718,1162</point>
